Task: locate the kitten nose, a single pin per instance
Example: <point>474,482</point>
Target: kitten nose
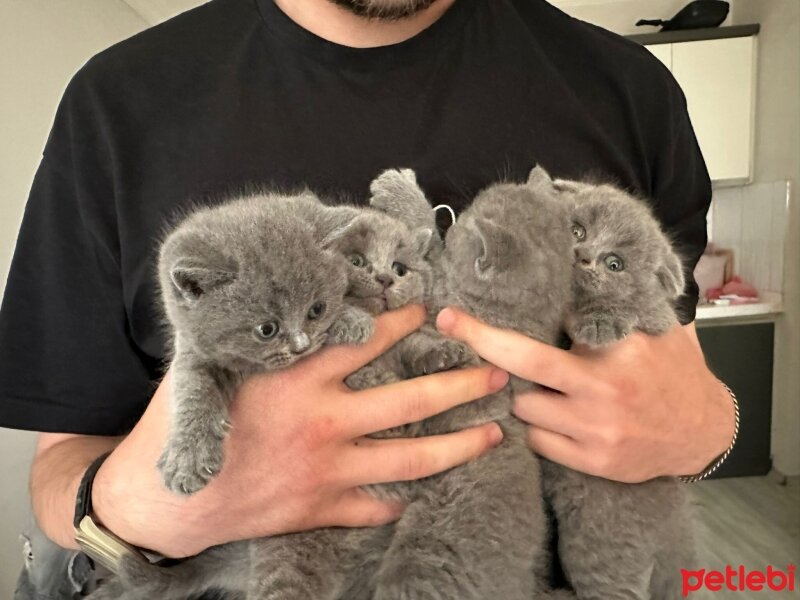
<point>299,342</point>
<point>582,257</point>
<point>385,280</point>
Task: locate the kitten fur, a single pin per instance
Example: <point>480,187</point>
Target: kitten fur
<point>477,530</point>
<point>385,265</point>
<point>608,305</point>
<point>247,289</point>
<point>506,262</point>
<point>619,540</point>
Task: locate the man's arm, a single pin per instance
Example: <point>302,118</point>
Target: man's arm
<point>644,407</point>
<point>295,459</point>
<point>58,465</point>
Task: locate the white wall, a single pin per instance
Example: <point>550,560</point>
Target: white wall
<point>777,156</point>
<point>42,43</point>
<point>155,11</point>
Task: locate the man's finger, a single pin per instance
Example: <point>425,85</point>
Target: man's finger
<point>549,410</point>
<point>402,459</point>
<point>517,353</point>
<point>390,328</point>
<point>416,399</point>
<point>356,508</point>
<point>557,448</point>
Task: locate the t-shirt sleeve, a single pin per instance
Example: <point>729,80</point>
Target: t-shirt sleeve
<point>67,361</point>
<point>681,189</point>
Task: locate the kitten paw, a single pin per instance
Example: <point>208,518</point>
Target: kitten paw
<point>449,354</point>
<point>352,327</point>
<point>187,468</point>
<point>600,331</point>
<point>367,377</point>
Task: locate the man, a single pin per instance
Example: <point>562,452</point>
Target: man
<point>327,94</point>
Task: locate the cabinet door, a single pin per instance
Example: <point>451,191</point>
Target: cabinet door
<point>741,356</point>
<point>662,52</point>
<point>717,77</point>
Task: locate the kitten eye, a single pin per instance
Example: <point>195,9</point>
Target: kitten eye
<point>578,231</point>
<point>357,260</point>
<point>614,262</point>
<point>399,268</point>
<point>315,312</point>
<point>268,330</point>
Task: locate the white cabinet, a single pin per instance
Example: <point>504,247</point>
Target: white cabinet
<point>718,79</point>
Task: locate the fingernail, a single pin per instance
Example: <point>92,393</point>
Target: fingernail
<point>495,435</point>
<point>445,320</point>
<point>498,379</point>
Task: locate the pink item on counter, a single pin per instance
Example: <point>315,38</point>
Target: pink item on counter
<point>735,291</point>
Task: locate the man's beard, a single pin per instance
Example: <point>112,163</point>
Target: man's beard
<point>385,10</point>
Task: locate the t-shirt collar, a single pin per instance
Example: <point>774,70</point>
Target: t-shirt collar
<point>429,40</point>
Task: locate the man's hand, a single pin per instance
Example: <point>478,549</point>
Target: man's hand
<point>297,452</point>
<point>641,408</point>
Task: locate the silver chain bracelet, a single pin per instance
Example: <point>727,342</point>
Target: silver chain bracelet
<point>721,459</point>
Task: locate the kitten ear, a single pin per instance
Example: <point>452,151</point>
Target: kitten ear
<point>498,249</point>
<point>192,280</point>
<point>538,176</point>
<point>397,193</point>
<point>670,274</point>
<point>336,233</point>
<point>423,241</point>
<point>565,185</point>
<point>79,570</point>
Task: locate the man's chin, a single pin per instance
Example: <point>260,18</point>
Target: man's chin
<point>384,10</point>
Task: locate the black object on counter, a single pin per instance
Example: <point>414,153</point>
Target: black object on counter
<point>695,15</point>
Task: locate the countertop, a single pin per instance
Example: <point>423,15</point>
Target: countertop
<point>766,309</point>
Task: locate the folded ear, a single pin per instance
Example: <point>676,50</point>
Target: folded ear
<point>192,279</point>
<point>397,193</point>
<point>539,176</point>
<point>337,231</point>
<point>79,571</point>
<point>567,185</point>
<point>497,249</point>
<point>423,240</point>
<point>27,549</point>
<point>670,274</point>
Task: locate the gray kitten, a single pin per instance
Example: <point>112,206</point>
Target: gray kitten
<point>247,289</point>
<point>386,268</point>
<point>479,530</point>
<point>619,540</point>
<point>392,260</point>
<point>51,571</point>
<point>626,275</point>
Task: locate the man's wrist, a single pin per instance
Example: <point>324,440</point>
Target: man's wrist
<point>113,509</point>
<point>724,421</point>
<point>135,507</point>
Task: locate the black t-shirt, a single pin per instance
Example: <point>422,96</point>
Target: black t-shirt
<point>234,94</point>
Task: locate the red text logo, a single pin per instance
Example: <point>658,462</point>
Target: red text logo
<point>739,580</point>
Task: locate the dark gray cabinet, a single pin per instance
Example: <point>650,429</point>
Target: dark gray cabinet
<point>741,356</point>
